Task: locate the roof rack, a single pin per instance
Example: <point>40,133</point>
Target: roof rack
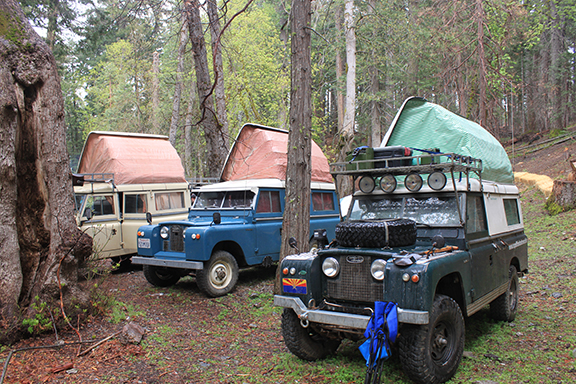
<point>398,166</point>
<point>80,178</point>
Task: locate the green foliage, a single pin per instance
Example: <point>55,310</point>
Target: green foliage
<point>41,321</point>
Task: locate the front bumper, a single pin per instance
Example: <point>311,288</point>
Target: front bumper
<point>181,264</point>
<point>342,319</point>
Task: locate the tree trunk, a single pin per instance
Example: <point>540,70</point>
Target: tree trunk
<point>297,203</point>
<point>482,83</point>
<point>39,250</point>
<point>178,86</point>
<point>190,145</point>
<point>216,140</point>
<point>155,92</point>
<point>339,73</point>
<point>219,93</point>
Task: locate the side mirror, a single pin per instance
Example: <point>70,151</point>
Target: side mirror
<point>149,218</point>
<point>293,244</point>
<point>216,218</point>
<point>438,241</point>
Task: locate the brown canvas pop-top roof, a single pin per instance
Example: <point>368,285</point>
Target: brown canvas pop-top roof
<point>132,158</point>
<point>260,152</point>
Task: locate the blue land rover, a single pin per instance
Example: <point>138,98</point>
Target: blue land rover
<point>230,225</point>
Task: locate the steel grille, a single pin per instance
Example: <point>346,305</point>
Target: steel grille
<point>176,238</point>
<point>354,282</point>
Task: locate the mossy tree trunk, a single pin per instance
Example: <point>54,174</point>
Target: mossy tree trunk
<point>39,245</point>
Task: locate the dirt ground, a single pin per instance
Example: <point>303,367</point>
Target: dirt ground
<point>189,338</point>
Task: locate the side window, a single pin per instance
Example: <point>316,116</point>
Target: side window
<point>511,209</point>
<point>169,200</point>
<point>475,214</point>
<point>269,202</point>
<point>322,201</point>
<point>100,205</point>
<point>238,199</point>
<point>135,203</point>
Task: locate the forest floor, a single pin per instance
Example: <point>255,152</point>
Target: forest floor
<point>236,339</point>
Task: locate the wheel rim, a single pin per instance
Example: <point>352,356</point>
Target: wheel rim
<point>442,342</point>
<point>513,295</point>
<point>220,275</point>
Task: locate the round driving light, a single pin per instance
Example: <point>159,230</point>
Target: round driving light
<point>377,269</point>
<point>413,182</point>
<point>285,271</point>
<point>292,271</point>
<point>331,267</point>
<point>164,231</point>
<point>367,184</point>
<point>388,183</point>
<point>415,278</point>
<point>437,181</point>
<point>406,277</point>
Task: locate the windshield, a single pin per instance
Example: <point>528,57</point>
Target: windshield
<point>430,210</point>
<point>217,200</point>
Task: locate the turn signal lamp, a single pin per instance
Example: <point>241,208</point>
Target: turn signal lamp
<point>285,271</point>
<point>415,278</point>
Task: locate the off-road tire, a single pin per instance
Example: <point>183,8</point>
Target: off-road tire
<point>372,234</point>
<point>431,353</point>
<point>304,342</point>
<point>505,306</point>
<point>219,275</point>
<point>161,276</point>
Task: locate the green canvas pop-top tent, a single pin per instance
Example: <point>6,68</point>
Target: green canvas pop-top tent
<point>420,124</point>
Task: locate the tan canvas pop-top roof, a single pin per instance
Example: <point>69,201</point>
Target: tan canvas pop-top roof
<point>132,158</point>
<point>260,152</point>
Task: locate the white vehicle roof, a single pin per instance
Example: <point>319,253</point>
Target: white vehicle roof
<point>254,185</point>
<point>109,187</point>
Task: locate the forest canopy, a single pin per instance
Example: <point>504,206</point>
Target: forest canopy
<point>508,65</point>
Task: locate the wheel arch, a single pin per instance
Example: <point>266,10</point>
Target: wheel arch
<point>232,248</point>
<point>451,285</point>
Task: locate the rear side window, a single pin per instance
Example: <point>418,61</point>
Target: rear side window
<point>475,215</point>
<point>169,200</point>
<point>269,202</point>
<point>511,209</point>
<point>135,203</point>
<point>322,201</point>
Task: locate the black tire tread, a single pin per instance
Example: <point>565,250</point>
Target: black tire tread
<point>500,308</point>
<point>414,343</point>
<point>372,234</point>
<point>203,278</point>
<point>304,342</point>
<point>153,275</point>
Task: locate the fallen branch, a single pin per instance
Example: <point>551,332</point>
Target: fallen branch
<point>97,344</point>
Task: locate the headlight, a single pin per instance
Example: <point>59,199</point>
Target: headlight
<point>378,268</point>
<point>331,267</point>
<point>164,231</point>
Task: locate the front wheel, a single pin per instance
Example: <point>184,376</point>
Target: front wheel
<point>505,306</point>
<point>219,276</point>
<point>161,276</point>
<point>431,353</point>
<point>304,342</point>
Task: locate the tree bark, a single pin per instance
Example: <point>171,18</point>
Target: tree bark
<point>155,92</point>
<point>39,250</point>
<point>219,89</point>
<point>190,145</point>
<point>178,86</point>
<point>482,83</point>
<point>339,72</point>
<point>216,140</point>
<point>297,203</point>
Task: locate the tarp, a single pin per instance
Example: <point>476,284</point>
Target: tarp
<point>132,158</point>
<point>421,124</point>
<point>260,152</point>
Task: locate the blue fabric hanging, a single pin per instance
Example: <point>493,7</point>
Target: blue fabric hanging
<point>382,330</point>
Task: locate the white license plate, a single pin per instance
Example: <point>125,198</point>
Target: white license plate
<point>143,243</point>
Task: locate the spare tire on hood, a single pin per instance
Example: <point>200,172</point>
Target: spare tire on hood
<point>376,234</point>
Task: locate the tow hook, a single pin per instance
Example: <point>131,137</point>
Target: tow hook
<point>304,320</point>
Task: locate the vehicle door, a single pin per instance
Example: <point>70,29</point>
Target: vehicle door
<point>324,213</point>
<point>268,222</point>
<point>134,216</point>
<point>482,252</point>
<point>101,220</point>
